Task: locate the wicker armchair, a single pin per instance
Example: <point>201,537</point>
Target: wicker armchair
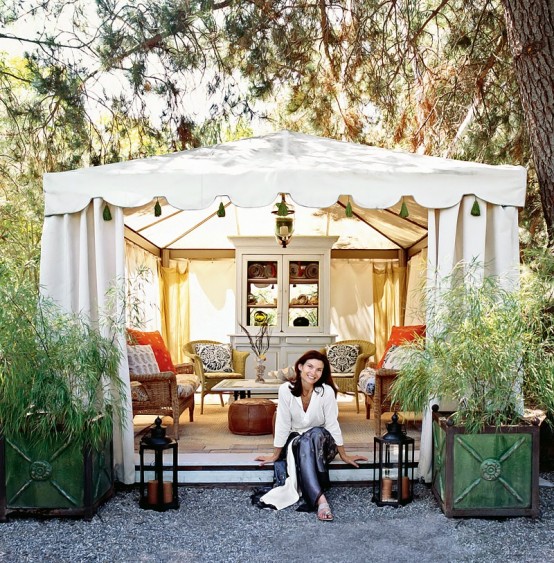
<point>165,394</point>
<point>209,379</point>
<point>348,382</point>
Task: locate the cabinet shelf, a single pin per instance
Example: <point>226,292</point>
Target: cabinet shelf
<point>262,306</point>
<point>306,306</point>
<point>304,280</point>
<point>262,280</point>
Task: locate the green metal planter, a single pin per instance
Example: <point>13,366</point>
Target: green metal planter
<point>57,480</point>
<point>494,473</point>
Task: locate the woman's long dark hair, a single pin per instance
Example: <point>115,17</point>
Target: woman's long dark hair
<point>296,386</point>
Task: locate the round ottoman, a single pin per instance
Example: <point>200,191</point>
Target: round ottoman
<point>251,417</point>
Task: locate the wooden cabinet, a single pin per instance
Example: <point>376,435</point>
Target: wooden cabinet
<point>287,288</point>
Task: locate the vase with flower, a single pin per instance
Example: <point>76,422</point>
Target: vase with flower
<point>260,345</point>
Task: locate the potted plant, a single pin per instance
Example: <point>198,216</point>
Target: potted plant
<point>56,411</point>
<point>489,348</point>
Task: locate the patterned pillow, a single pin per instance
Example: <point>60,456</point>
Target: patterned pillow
<point>187,385</point>
<point>142,360</point>
<point>395,357</point>
<point>342,357</point>
<point>366,382</point>
<point>155,340</point>
<point>283,374</point>
<point>216,358</point>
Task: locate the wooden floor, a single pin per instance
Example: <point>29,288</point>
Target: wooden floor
<point>209,433</point>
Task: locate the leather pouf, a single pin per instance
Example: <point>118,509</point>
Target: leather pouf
<point>251,417</point>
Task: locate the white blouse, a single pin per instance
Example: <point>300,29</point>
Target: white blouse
<point>323,411</point>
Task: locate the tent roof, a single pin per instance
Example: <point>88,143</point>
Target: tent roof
<point>313,170</point>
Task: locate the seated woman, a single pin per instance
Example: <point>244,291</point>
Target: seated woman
<point>308,436</point>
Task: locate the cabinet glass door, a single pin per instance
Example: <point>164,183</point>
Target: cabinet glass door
<point>262,292</point>
<point>303,293</point>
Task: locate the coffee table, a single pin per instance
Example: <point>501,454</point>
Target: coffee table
<point>244,388</point>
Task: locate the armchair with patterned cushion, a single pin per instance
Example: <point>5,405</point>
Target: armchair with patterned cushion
<point>348,358</point>
<point>213,362</point>
<point>164,391</point>
<point>376,379</point>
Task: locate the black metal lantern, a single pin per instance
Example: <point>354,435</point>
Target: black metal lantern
<point>393,462</point>
<point>158,494</point>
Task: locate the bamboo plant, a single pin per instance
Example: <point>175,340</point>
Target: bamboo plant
<point>488,347</point>
<point>58,373</point>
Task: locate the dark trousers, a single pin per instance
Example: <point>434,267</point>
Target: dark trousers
<point>312,451</point>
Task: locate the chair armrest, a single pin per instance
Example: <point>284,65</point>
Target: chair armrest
<point>184,368</point>
<point>168,376</point>
<point>197,363</point>
<point>360,365</point>
<point>239,361</point>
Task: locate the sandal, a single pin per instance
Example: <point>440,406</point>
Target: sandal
<point>324,512</point>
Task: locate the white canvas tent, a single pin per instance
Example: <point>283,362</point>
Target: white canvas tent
<point>82,254</point>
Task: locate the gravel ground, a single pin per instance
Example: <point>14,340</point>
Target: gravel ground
<point>218,525</point>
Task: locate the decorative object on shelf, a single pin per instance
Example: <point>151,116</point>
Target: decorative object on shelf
<point>312,271</point>
<point>284,221</point>
<point>301,321</point>
<point>302,299</point>
<point>255,271</point>
<point>260,318</point>
<point>251,298</point>
<point>260,345</point>
<point>270,270</point>
<point>393,459</point>
<point>158,494</point>
<point>294,270</point>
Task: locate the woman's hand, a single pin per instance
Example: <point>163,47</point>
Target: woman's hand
<point>269,458</point>
<point>350,459</point>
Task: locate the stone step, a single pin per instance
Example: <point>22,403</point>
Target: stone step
<point>222,469</point>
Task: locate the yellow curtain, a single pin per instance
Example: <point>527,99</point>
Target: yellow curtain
<point>389,281</point>
<point>175,307</point>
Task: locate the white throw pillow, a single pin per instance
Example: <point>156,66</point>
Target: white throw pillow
<point>215,358</point>
<point>141,360</point>
<point>342,357</point>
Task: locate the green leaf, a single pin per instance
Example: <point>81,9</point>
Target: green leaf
<point>348,209</point>
<point>221,210</point>
<point>475,209</point>
<point>157,209</point>
<point>404,210</point>
<point>107,214</point>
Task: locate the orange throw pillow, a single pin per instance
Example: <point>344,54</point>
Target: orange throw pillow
<point>399,335</point>
<point>158,347</point>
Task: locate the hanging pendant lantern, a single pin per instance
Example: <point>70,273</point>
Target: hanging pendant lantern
<point>284,221</point>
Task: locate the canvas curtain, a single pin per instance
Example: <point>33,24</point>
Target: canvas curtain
<point>388,284</point>
<point>455,235</point>
<point>175,307</point>
<point>143,285</point>
<point>82,258</point>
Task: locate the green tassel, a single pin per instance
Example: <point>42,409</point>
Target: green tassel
<point>348,209</point>
<point>404,210</point>
<point>282,209</point>
<point>107,214</point>
<point>157,209</point>
<point>475,209</point>
<point>221,210</point>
